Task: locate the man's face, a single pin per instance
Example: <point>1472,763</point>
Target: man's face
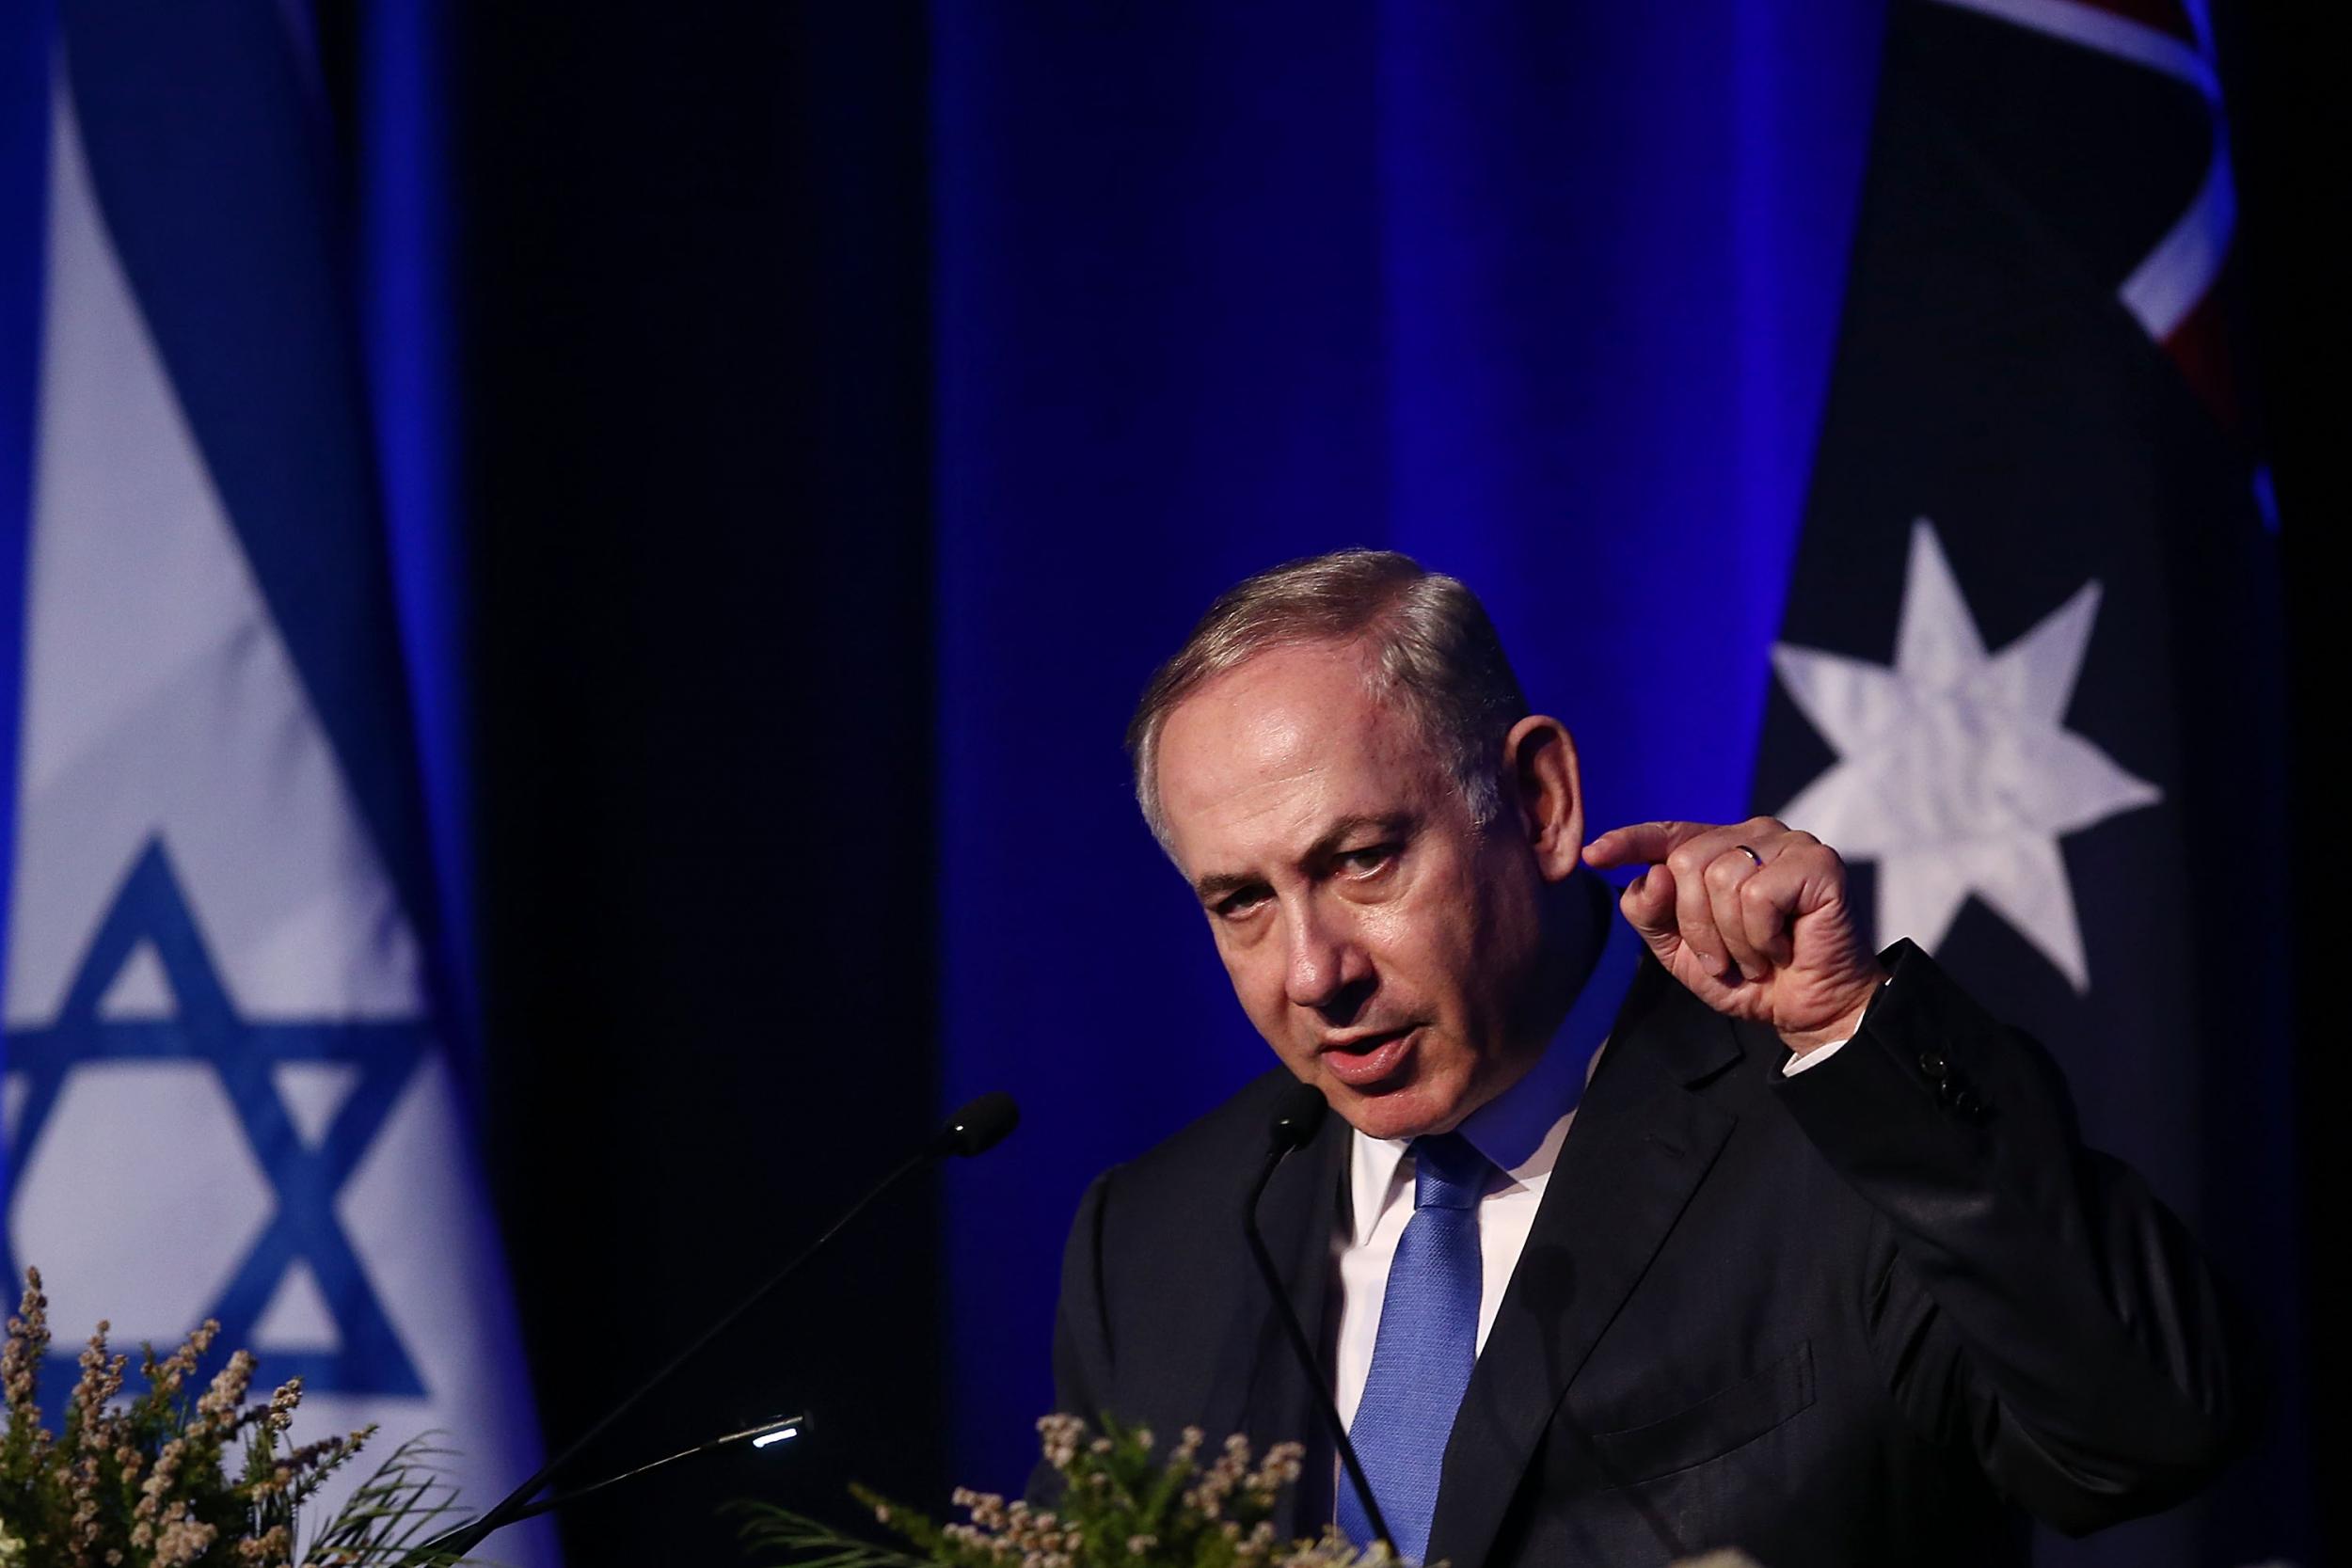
<point>1381,943</point>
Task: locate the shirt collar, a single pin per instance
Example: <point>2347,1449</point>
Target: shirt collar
<point>1522,1128</point>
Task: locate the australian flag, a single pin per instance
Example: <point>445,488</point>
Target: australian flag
<point>2031,676</point>
<point>226,1095</point>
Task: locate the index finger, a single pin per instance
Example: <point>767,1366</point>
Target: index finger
<point>1641,844</point>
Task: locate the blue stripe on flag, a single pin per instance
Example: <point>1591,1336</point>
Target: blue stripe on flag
<point>242,280</point>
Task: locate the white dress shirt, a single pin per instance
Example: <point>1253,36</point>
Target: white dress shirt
<point>1521,1130</point>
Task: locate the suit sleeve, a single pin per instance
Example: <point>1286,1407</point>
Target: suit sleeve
<point>2038,1304</point>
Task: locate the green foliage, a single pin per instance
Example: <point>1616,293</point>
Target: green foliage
<point>179,1478</point>
<point>1121,1507</point>
<point>409,1500</point>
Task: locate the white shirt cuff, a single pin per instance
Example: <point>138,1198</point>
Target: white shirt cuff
<point>1820,1053</point>
<point>1811,1059</point>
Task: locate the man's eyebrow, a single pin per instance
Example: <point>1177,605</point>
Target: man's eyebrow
<point>1217,884</point>
<point>1211,889</point>
<point>1387,825</point>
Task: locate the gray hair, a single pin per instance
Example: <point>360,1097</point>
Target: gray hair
<point>1433,650</point>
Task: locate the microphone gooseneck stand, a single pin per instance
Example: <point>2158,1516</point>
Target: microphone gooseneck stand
<point>1296,1116</point>
<point>763,1435</point>
<point>974,1130</point>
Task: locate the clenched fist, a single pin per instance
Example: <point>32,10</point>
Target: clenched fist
<point>1752,918</point>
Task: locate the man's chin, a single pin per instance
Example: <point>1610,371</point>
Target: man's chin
<point>1409,1110</point>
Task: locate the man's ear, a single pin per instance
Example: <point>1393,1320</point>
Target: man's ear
<point>1542,784</point>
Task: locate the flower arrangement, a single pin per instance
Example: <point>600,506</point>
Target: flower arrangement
<point>1121,1507</point>
<point>173,1478</point>
<point>1118,1508</point>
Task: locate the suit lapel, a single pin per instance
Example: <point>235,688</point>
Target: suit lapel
<point>1641,1142</point>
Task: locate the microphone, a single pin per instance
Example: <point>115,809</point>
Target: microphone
<point>978,1126</point>
<point>975,1129</point>
<point>1297,1116</point>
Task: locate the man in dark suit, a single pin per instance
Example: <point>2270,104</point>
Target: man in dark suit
<point>1812,1264</point>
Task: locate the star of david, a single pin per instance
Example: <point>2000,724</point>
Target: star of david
<point>304,1178</point>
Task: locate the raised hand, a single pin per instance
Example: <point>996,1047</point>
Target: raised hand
<point>1752,918</point>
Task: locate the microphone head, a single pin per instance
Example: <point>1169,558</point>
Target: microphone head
<point>979,1126</point>
<point>1299,1113</point>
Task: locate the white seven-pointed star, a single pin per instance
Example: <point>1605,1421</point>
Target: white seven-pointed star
<point>1955,770</point>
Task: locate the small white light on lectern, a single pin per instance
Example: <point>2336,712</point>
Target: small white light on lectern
<point>767,1439</point>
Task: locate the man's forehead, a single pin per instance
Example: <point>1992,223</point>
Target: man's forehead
<point>1275,751</point>
<point>1283,711</point>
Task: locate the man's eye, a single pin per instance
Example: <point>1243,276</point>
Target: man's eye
<point>1237,904</point>
<point>1366,861</point>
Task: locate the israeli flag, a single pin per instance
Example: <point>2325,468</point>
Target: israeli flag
<point>225,1096</point>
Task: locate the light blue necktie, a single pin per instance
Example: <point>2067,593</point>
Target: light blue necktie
<point>1428,1342</point>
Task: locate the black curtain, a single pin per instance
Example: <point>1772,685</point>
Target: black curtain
<point>695,328</point>
<point>2293,128</point>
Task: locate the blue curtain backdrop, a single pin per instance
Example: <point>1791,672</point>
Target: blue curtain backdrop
<point>803,429</point>
<point>1545,296</point>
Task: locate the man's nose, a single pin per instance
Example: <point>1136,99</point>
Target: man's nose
<point>1325,962</point>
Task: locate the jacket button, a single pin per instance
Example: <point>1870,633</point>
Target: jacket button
<point>1933,1065</point>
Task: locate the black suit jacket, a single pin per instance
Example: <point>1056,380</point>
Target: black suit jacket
<point>1862,1316</point>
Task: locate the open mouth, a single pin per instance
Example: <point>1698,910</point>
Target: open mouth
<point>1370,1059</point>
